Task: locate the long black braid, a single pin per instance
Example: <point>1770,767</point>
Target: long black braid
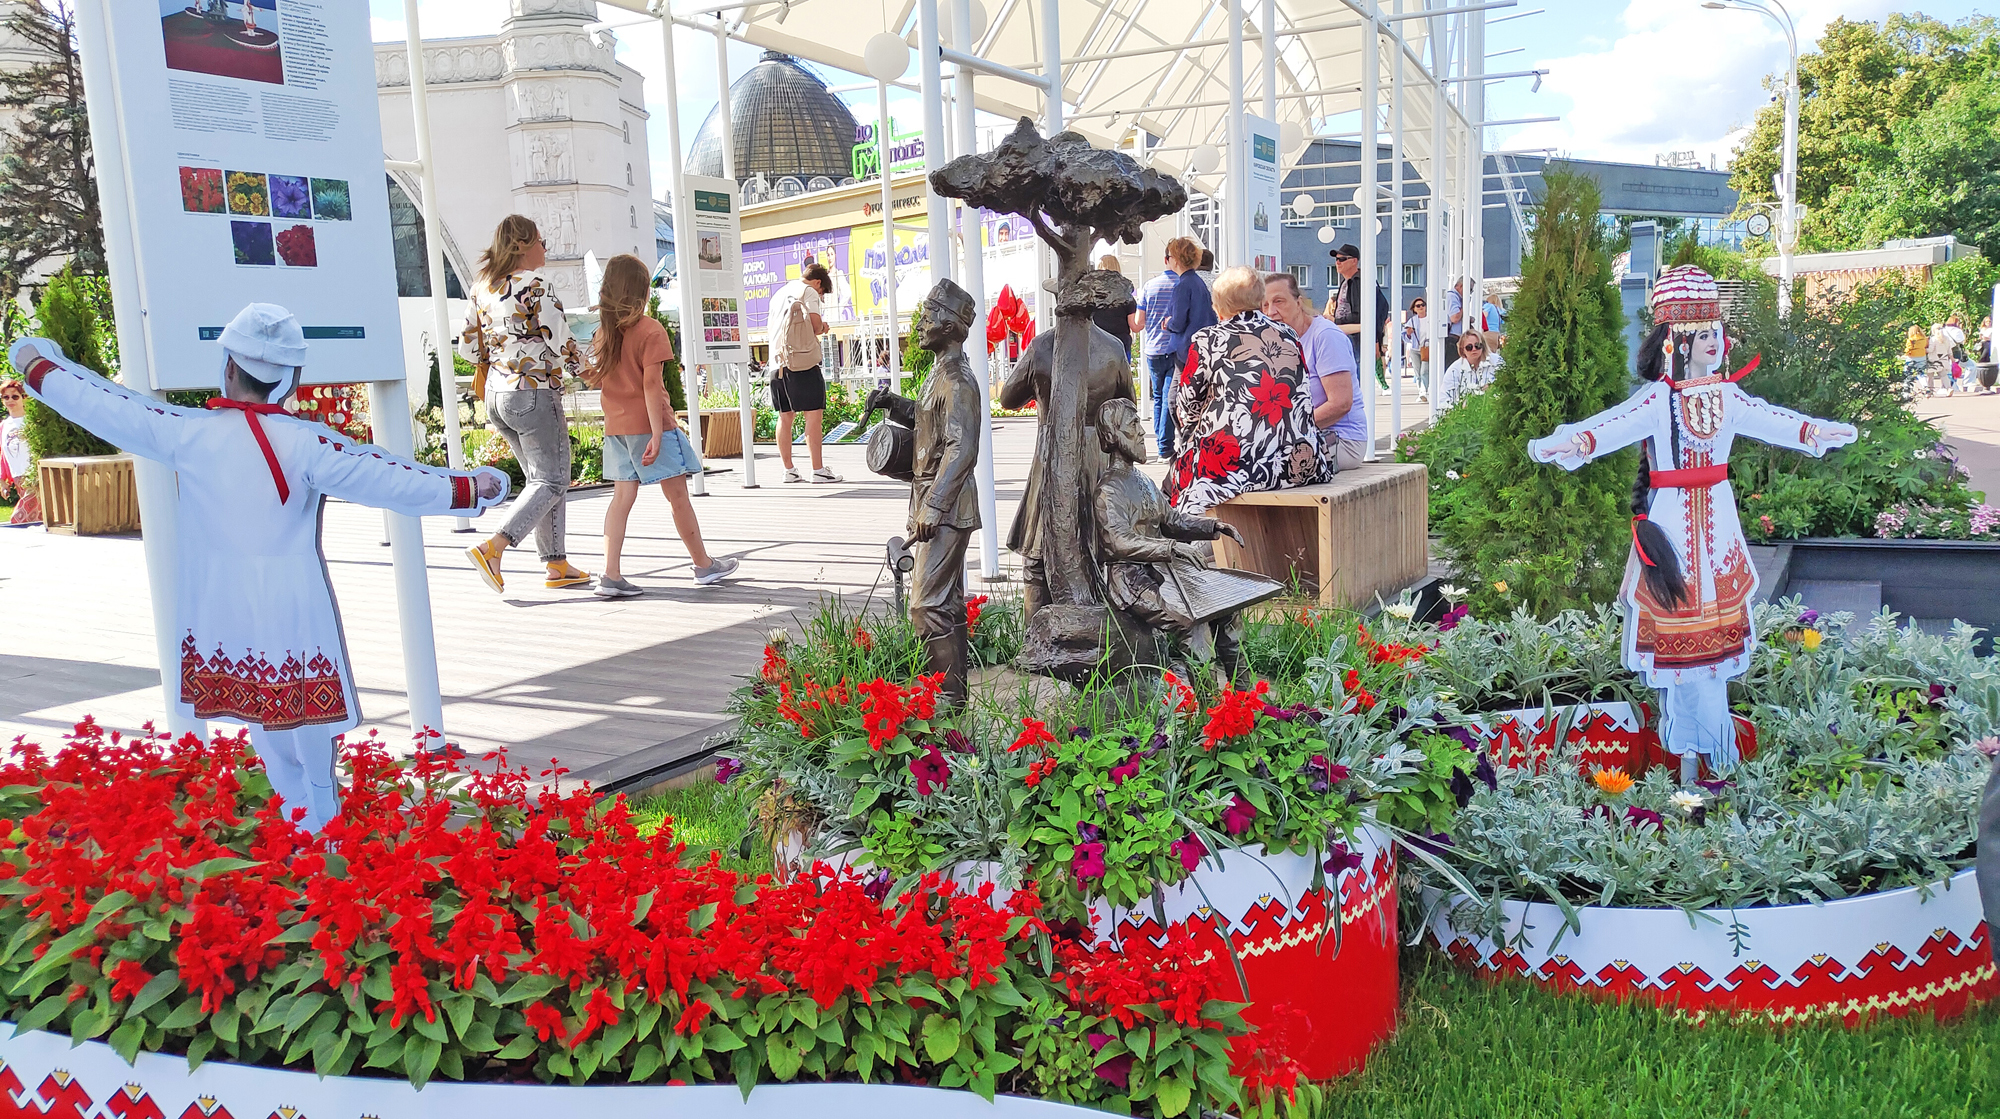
<point>1661,565</point>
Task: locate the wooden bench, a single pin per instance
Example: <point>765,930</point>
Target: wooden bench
<point>1361,535</point>
<point>90,495</point>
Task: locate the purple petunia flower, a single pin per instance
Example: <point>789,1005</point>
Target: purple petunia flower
<point>1117,1070</point>
<point>1483,769</point>
<point>1236,818</point>
<point>1129,768</point>
<point>1452,617</point>
<point>1808,616</point>
<point>1189,850</point>
<point>1714,788</point>
<point>1434,842</point>
<point>1089,832</point>
<point>1340,857</point>
<point>726,769</point>
<point>1079,732</point>
<point>1465,736</point>
<point>291,197</point>
<point>1087,863</point>
<point>1938,694</point>
<point>930,770</point>
<point>956,739</point>
<point>877,886</point>
<point>1636,816</point>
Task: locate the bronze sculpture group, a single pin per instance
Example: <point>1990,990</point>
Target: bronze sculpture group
<point>1113,578</point>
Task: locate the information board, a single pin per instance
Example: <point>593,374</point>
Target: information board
<point>252,143</point>
<point>717,273</point>
<point>1266,245</point>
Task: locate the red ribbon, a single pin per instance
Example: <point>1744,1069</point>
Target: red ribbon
<point>1745,371</point>
<point>1638,547</point>
<point>250,413</point>
<point>1691,477</point>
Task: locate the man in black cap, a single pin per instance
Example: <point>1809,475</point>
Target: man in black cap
<point>1345,310</point>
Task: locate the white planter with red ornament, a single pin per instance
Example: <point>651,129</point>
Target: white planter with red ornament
<point>41,1074</point>
<point>1894,953</point>
<point>1266,907</point>
<point>1608,735</point>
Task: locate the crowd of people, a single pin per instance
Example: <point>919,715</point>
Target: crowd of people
<point>1940,357</point>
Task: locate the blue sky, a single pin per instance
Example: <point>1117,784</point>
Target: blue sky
<point>1630,78</point>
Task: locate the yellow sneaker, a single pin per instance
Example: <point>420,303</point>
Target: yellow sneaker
<point>566,575</point>
<point>486,559</point>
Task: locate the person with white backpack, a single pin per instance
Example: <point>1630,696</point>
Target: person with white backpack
<point>797,384</point>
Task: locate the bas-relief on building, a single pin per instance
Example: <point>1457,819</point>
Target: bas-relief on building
<point>539,120</point>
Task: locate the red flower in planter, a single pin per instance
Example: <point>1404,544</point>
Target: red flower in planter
<point>1234,714</point>
<point>972,611</point>
<point>1034,732</point>
<point>930,770</point>
<point>598,1010</point>
<point>1189,850</point>
<point>1236,818</point>
<point>1087,863</point>
<point>692,1018</point>
<point>1117,1070</point>
<point>545,1020</point>
<point>883,712</point>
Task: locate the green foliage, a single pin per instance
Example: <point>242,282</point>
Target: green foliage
<point>48,183</point>
<point>676,390</point>
<point>75,314</point>
<point>1942,175</point>
<point>916,360</point>
<point>1448,448</point>
<point>1554,539</point>
<point>1863,82</point>
<point>708,816</point>
<point>1473,1048</point>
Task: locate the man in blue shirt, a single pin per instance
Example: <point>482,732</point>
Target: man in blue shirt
<point>1162,359</point>
<point>1190,309</point>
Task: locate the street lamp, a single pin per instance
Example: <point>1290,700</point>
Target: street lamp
<point>1788,179</point>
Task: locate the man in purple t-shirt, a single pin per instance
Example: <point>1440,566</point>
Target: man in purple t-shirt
<point>1332,377</point>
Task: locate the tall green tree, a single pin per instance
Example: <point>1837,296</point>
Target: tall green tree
<point>1530,534</point>
<point>1863,81</point>
<point>1942,176</point>
<point>73,314</point>
<point>48,184</point>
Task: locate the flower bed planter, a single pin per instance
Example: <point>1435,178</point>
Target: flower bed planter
<point>1606,735</point>
<point>1923,579</point>
<point>1276,922</point>
<point>42,1074</point>
<point>1888,953</point>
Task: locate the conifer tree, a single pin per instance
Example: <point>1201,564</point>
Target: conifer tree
<point>1530,534</point>
<point>69,316</point>
<point>48,185</point>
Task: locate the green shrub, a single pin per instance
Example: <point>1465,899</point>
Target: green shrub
<point>1448,448</point>
<point>75,314</point>
<point>1525,533</point>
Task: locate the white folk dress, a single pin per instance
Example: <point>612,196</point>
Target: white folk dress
<point>260,637</point>
<point>1690,653</point>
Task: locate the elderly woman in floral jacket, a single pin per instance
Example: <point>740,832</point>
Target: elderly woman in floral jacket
<point>1243,415</point>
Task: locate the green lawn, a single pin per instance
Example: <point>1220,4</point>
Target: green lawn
<point>1473,1049</point>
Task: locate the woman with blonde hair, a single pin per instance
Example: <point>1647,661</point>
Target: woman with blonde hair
<point>642,443</point>
<point>517,335</point>
<point>1243,413</point>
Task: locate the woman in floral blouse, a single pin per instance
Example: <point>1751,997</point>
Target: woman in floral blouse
<point>1244,421</point>
<point>517,330</point>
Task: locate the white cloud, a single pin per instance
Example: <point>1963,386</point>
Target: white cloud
<point>1678,78</point>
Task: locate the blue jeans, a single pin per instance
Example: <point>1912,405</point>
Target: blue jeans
<point>1161,369</point>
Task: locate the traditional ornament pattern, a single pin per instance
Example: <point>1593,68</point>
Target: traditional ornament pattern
<point>293,692</point>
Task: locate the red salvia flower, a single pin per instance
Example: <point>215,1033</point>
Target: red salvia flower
<point>1033,733</point>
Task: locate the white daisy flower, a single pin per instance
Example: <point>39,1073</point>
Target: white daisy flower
<point>1686,801</point>
<point>1402,610</point>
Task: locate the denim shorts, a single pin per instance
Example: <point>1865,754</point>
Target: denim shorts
<point>623,452</point>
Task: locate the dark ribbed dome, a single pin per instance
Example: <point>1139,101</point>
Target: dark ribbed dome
<point>785,124</point>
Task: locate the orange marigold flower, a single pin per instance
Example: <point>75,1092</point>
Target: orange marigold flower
<point>1612,781</point>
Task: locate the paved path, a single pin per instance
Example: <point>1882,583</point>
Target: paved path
<point>1972,427</point>
<point>556,675</point>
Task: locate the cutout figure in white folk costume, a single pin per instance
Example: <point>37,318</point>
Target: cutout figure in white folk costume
<point>261,642</point>
<point>1689,581</point>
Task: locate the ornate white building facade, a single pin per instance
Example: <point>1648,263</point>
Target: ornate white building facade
<point>538,120</point>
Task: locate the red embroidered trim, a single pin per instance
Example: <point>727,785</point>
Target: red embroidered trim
<point>1691,477</point>
<point>461,492</point>
<point>38,369</point>
<point>1805,433</point>
<point>276,697</point>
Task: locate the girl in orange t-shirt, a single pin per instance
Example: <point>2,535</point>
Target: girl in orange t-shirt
<point>642,443</point>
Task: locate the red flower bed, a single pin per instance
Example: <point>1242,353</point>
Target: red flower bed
<point>471,925</point>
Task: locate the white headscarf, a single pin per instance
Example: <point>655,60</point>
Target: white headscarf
<point>268,344</point>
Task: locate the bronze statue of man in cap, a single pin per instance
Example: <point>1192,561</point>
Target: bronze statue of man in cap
<point>944,502</point>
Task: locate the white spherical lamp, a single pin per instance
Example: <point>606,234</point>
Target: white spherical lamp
<point>1204,159</point>
<point>1291,135</point>
<point>946,33</point>
<point>1326,235</point>
<point>1304,204</point>
<point>888,57</point>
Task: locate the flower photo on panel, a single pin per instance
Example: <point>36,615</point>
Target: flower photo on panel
<point>253,242</point>
<point>201,190</point>
<point>291,196</point>
<point>297,248</point>
<point>331,201</point>
<point>249,194</point>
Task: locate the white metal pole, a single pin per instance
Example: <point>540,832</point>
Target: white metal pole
<point>889,277</point>
<point>1366,199</point>
<point>931,87</point>
<point>1435,250</point>
<point>1236,221</point>
<point>684,239</point>
<point>975,285</point>
<point>441,333</point>
<point>1788,228</point>
<point>746,408</point>
<point>1475,226</point>
<point>159,502</point>
<point>1393,361</point>
<point>1270,61</point>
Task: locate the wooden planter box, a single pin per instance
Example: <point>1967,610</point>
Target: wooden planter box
<point>89,496</point>
<point>1929,581</point>
<point>1361,535</point>
<point>721,433</point>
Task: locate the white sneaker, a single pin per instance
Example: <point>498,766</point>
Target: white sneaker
<point>716,572</point>
<point>825,477</point>
<point>792,475</point>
